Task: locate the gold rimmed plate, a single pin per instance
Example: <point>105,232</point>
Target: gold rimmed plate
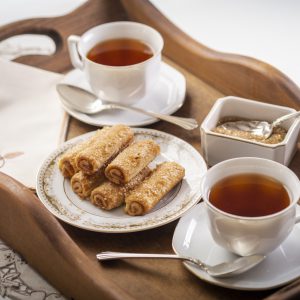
<point>56,193</point>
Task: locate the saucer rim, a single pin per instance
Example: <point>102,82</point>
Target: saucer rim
<point>178,103</point>
<point>222,281</point>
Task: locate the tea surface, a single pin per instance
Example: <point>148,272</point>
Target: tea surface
<point>249,195</point>
<point>120,52</point>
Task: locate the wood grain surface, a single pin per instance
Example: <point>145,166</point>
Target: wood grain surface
<point>209,75</point>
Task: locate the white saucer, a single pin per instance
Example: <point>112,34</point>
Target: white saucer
<point>168,95</point>
<point>192,238</point>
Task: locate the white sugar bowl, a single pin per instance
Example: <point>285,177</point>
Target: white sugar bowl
<point>218,147</point>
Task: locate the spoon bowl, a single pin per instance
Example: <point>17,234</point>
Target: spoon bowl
<point>226,269</point>
<point>86,102</point>
<point>78,98</point>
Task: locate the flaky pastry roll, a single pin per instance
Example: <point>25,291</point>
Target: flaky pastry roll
<point>113,140</point>
<point>109,195</point>
<point>131,161</point>
<point>83,184</point>
<point>67,162</point>
<point>144,197</point>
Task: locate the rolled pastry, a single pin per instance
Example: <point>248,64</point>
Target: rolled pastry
<point>83,184</point>
<point>114,140</point>
<point>144,197</point>
<point>131,161</point>
<point>67,162</point>
<point>109,195</point>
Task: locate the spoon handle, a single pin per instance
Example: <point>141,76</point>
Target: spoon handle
<point>224,269</point>
<point>285,117</point>
<point>187,123</point>
<point>108,255</point>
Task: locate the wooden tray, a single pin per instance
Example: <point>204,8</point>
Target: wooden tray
<point>65,255</point>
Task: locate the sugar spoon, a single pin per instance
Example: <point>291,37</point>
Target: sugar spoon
<point>262,129</point>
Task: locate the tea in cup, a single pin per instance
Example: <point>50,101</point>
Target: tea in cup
<point>121,60</point>
<point>251,204</point>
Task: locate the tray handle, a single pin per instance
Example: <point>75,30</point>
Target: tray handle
<point>88,15</point>
<point>27,227</point>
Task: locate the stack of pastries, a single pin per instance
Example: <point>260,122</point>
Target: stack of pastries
<point>111,169</point>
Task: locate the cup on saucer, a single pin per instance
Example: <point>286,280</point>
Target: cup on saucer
<point>120,60</point>
<point>251,204</point>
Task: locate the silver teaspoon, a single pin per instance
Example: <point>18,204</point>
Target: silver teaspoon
<point>259,128</point>
<point>86,102</point>
<point>226,269</point>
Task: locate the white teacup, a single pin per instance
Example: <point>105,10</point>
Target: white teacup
<point>251,235</point>
<point>124,84</point>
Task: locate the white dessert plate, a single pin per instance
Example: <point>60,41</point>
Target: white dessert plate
<point>192,238</point>
<point>56,193</point>
<point>167,96</point>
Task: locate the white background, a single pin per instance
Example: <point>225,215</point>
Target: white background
<point>268,30</point>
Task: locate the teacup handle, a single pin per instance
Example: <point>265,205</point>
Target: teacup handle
<point>73,41</point>
<point>297,220</point>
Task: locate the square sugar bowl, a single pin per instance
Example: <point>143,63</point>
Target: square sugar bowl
<point>218,147</point>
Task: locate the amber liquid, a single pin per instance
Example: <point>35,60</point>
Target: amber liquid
<point>249,195</point>
<point>120,52</point>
